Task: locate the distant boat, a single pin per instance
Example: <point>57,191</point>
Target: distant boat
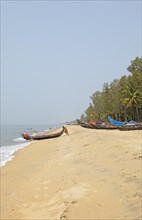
<point>44,135</point>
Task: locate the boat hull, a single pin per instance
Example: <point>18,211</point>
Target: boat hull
<point>43,136</point>
<point>84,124</point>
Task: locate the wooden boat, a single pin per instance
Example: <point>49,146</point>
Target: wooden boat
<point>44,135</point>
<point>84,124</point>
<point>130,127</point>
<point>106,126</point>
<point>126,125</point>
<point>115,122</point>
<point>95,126</point>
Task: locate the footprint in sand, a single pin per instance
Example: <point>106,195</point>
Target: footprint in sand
<point>74,203</point>
<point>68,205</point>
<point>67,157</point>
<point>138,157</point>
<point>84,145</point>
<point>63,217</point>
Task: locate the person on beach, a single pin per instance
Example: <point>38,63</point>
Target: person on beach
<point>66,131</point>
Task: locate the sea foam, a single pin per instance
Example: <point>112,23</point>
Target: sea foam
<point>7,152</point>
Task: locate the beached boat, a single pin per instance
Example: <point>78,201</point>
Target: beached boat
<point>44,135</point>
<point>130,127</point>
<point>115,122</point>
<point>106,126</point>
<point>97,125</point>
<point>124,124</point>
<point>84,124</point>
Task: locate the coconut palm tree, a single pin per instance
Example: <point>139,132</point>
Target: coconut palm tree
<point>131,99</point>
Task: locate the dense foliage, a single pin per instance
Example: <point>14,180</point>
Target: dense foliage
<point>122,98</point>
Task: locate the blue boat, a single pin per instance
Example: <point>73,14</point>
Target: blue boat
<point>118,123</point>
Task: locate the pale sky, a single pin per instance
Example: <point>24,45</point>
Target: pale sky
<point>56,54</point>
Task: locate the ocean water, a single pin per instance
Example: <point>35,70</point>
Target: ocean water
<point>11,140</point>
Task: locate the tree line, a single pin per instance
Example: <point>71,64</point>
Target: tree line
<point>121,99</point>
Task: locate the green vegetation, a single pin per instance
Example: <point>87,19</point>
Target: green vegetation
<point>121,99</point>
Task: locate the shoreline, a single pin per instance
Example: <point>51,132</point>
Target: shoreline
<point>89,174</point>
<point>15,142</point>
<point>10,153</point>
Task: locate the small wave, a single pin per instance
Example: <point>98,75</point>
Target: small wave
<point>7,152</point>
<point>19,139</point>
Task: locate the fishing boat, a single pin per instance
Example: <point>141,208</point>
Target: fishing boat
<point>95,125</point>
<point>115,122</point>
<point>130,127</point>
<point>106,126</point>
<point>44,135</point>
<point>84,124</point>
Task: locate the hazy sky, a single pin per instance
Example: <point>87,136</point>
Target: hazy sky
<point>56,54</point>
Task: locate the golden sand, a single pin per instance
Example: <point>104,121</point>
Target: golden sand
<point>88,174</point>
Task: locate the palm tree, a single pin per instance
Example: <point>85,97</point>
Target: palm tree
<point>131,98</point>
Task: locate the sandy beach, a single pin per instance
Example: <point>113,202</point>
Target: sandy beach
<point>88,174</point>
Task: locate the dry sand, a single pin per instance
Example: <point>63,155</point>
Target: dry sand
<point>89,174</point>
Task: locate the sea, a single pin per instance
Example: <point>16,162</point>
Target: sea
<point>12,141</point>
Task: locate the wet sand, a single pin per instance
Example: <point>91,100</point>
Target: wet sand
<point>88,174</point>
